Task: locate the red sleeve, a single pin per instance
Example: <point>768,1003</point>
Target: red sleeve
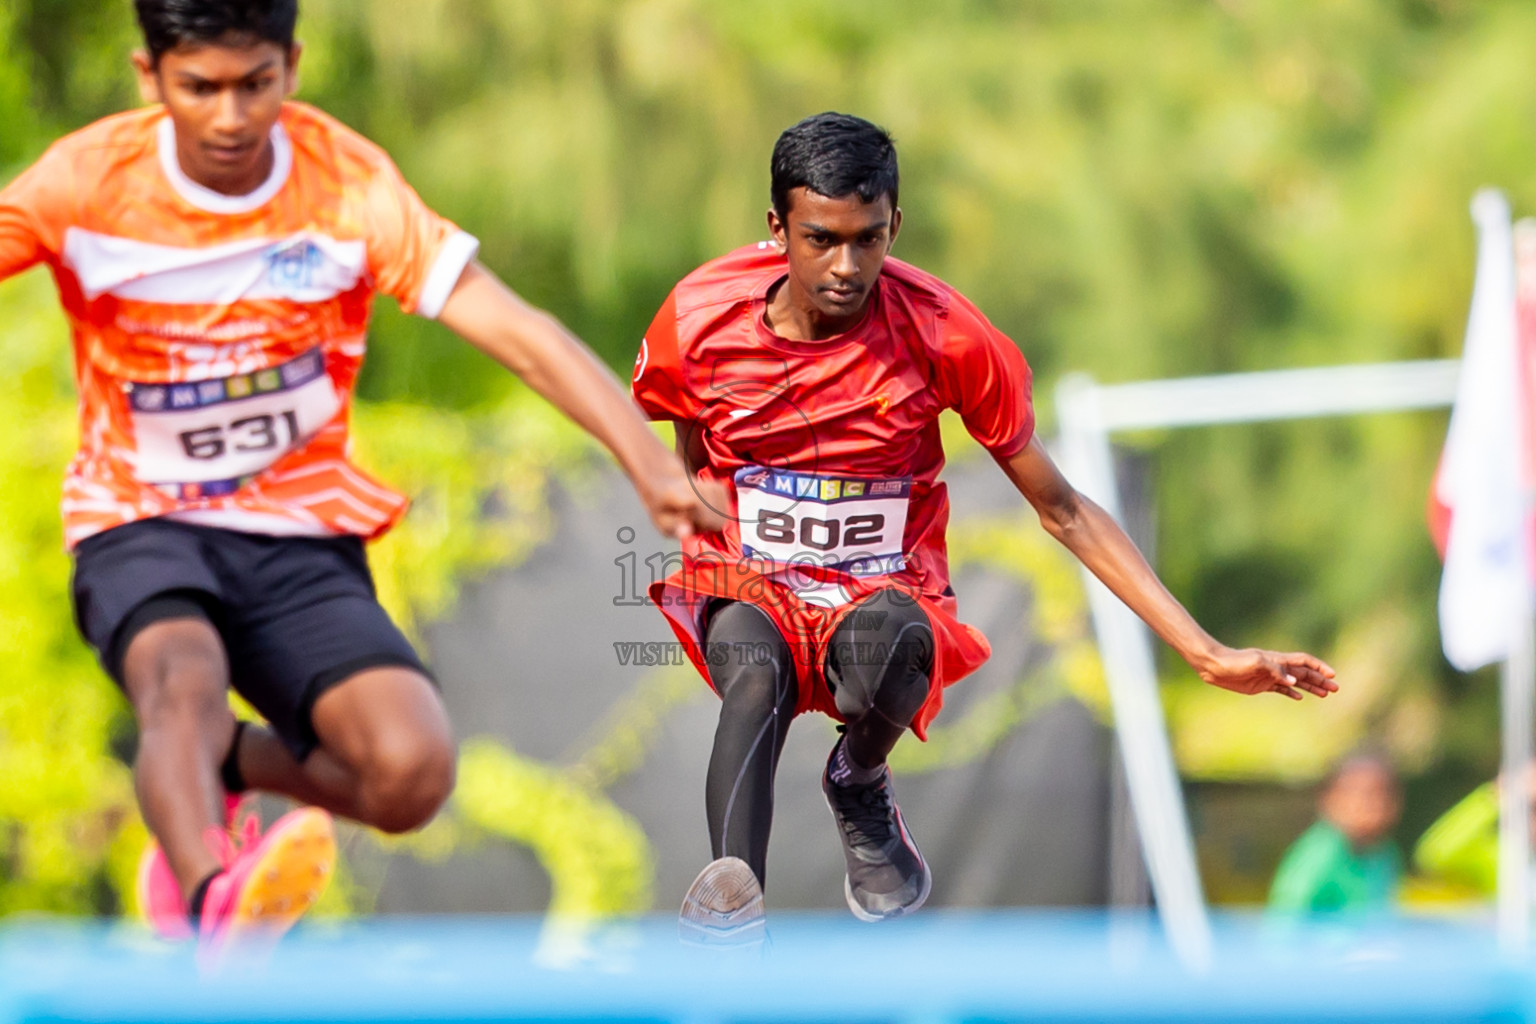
<point>983,377</point>
<point>658,384</point>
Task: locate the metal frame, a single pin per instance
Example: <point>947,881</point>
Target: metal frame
<point>1089,414</point>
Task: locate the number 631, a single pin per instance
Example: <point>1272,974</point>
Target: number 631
<point>250,434</point>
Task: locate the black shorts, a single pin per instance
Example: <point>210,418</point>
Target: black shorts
<point>297,614</point>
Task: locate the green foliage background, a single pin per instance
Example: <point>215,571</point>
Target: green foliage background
<point>1135,188</point>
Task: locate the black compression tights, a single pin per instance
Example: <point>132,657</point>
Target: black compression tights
<point>752,670</point>
<point>878,665</point>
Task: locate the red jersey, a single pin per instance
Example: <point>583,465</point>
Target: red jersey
<point>217,338</point>
<point>830,448</point>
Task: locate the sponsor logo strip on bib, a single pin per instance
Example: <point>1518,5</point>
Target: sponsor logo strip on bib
<point>852,524</point>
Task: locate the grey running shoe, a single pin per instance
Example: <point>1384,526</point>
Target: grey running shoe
<point>723,907</point>
<point>887,876</point>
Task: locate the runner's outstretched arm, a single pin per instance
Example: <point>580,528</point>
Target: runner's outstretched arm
<point>1099,543</point>
<point>535,346</point>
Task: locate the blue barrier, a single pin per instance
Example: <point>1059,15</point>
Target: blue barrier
<point>936,967</point>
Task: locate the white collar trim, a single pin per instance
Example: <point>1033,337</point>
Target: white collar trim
<point>217,202</point>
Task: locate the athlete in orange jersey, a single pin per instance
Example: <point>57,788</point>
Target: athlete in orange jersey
<point>807,376</point>
<point>217,254</point>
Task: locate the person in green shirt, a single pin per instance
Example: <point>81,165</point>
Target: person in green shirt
<point>1347,861</point>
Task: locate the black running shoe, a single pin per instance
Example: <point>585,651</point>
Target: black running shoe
<point>887,876</point>
<point>723,907</point>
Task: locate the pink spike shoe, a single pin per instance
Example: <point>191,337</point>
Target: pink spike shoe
<point>268,885</point>
<point>156,890</point>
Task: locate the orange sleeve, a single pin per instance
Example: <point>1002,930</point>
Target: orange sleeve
<point>35,211</point>
<point>983,377</point>
<point>414,255</point>
<point>658,383</point>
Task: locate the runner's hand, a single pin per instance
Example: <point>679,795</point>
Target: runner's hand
<point>1255,671</point>
<point>681,507</point>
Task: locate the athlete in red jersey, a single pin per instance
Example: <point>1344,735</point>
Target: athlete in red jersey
<point>807,376</point>
<point>830,447</point>
<point>217,255</point>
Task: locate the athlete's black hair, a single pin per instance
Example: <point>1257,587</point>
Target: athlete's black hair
<point>834,155</point>
<point>167,24</point>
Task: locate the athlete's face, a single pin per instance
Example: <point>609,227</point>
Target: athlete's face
<point>223,99</point>
<point>836,248</point>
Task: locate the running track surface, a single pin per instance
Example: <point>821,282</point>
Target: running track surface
<point>936,967</point>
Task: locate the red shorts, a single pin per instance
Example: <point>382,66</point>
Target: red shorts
<point>958,649</point>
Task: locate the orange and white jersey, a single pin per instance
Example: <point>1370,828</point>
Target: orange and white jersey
<point>217,338</point>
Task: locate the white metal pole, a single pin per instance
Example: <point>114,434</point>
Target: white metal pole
<point>1151,776</point>
<point>1518,681</point>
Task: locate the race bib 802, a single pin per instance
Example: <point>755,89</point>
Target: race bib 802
<point>852,524</point>
<point>229,428</point>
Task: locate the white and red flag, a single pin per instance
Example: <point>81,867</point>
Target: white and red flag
<point>1480,506</point>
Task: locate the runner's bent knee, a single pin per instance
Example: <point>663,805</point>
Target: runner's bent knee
<point>390,728</point>
<point>881,658</point>
<point>407,779</point>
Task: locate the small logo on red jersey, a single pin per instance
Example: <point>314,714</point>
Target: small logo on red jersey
<point>641,358</point>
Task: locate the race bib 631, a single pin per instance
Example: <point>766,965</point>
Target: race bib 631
<point>229,428</point>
